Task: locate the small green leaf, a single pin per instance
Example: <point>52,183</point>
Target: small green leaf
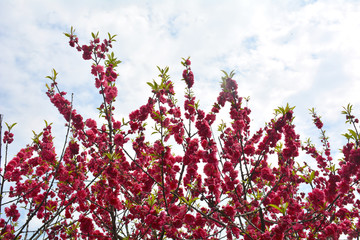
<point>11,126</point>
<point>151,85</point>
<point>348,137</point>
<point>183,199</point>
<point>353,133</point>
<point>191,201</point>
<point>305,178</point>
<point>112,38</point>
<point>312,176</point>
<point>151,199</point>
<point>285,206</point>
<point>274,206</point>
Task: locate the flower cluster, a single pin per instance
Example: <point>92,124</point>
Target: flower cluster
<point>116,180</point>
<point>188,74</point>
<point>8,137</point>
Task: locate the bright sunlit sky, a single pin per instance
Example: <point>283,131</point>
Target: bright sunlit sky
<point>305,53</point>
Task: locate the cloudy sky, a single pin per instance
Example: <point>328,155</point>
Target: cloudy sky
<point>305,53</point>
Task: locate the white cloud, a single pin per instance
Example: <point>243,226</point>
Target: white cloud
<point>300,52</point>
<point>304,53</point>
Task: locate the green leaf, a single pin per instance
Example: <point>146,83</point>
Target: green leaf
<point>197,105</point>
<point>183,199</point>
<point>191,201</point>
<point>157,115</point>
<point>54,75</point>
<point>11,126</point>
<point>231,75</point>
<point>312,176</point>
<point>112,38</point>
<point>36,136</point>
<point>151,199</point>
<point>279,147</point>
<point>111,59</point>
<point>123,121</point>
<point>348,137</point>
<point>95,35</point>
<point>353,133</point>
<point>305,178</point>
<point>46,123</point>
<point>276,207</point>
<point>285,206</point>
<point>109,155</point>
<point>222,126</point>
<point>151,85</point>
<point>282,209</point>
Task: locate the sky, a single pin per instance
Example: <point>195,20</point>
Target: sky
<point>305,53</point>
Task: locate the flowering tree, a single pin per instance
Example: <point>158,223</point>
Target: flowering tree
<point>114,181</point>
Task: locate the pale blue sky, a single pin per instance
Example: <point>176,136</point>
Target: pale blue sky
<point>303,52</point>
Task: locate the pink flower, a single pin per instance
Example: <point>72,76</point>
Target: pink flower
<point>81,195</point>
<point>91,135</point>
<point>318,123</point>
<point>231,84</point>
<point>74,148</point>
<point>267,174</point>
<point>230,211</point>
<point>110,94</point>
<point>86,52</point>
<point>86,224</point>
<point>97,69</point>
<point>249,150</point>
<point>200,233</point>
<point>317,197</point>
<point>90,123</point>
<point>12,212</point>
<point>177,223</point>
<point>48,155</point>
<point>344,186</point>
<point>119,139</point>
<point>116,125</point>
<point>8,137</point>
<point>174,210</point>
<point>210,169</point>
<point>188,77</point>
<point>228,166</point>
<point>204,128</point>
<point>189,219</point>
